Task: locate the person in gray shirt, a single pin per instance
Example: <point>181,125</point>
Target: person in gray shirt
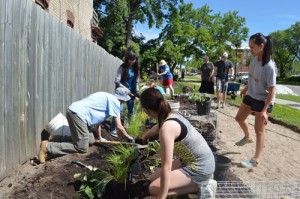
<point>258,95</point>
<point>194,164</point>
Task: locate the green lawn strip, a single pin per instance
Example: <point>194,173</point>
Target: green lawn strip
<point>286,114</point>
<point>181,84</point>
<point>293,98</point>
<point>283,113</point>
<point>192,78</point>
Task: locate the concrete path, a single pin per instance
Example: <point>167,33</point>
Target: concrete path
<point>288,103</point>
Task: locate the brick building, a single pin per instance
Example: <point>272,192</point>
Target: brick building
<point>78,14</point>
<point>244,55</point>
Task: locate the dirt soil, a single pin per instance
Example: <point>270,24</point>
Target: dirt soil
<point>280,161</point>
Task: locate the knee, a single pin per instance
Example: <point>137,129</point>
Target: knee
<point>238,119</point>
<point>82,149</point>
<point>153,190</point>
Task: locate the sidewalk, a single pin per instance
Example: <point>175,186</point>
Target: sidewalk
<point>288,103</point>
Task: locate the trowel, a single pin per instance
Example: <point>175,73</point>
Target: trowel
<point>89,167</point>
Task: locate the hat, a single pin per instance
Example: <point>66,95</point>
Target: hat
<point>122,94</point>
<point>225,54</point>
<point>162,62</point>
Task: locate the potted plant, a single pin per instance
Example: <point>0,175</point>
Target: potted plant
<point>203,102</point>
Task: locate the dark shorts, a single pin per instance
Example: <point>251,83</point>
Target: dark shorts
<point>167,82</point>
<point>256,105</point>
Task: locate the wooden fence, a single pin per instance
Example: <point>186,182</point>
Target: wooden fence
<point>44,67</point>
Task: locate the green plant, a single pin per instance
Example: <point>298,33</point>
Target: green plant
<point>94,182</point>
<point>136,123</point>
<point>153,148</point>
<point>199,97</point>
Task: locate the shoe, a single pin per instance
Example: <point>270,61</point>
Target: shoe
<point>52,138</point>
<point>114,133</point>
<point>43,152</point>
<point>210,190</point>
<point>249,163</point>
<point>223,105</point>
<point>244,141</point>
<point>102,139</point>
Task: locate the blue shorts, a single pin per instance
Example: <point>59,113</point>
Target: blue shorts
<point>256,105</point>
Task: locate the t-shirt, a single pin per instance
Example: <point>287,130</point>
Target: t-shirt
<point>206,70</point>
<point>193,150</point>
<point>96,108</point>
<point>223,68</point>
<point>168,75</point>
<point>260,78</point>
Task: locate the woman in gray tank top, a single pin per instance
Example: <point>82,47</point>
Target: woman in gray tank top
<point>187,162</point>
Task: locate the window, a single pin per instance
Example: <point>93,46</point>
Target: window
<point>70,19</point>
<point>43,3</point>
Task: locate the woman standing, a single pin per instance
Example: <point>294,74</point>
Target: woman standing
<point>207,80</point>
<point>128,77</point>
<point>259,95</point>
<point>194,163</point>
<point>167,77</point>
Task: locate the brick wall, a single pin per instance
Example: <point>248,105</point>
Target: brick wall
<point>82,11</point>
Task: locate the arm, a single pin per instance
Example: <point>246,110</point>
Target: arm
<point>231,71</point>
<point>120,127</point>
<point>150,133</point>
<point>118,77</point>
<point>167,145</point>
<point>212,73</point>
<point>244,91</point>
<point>272,91</point>
<point>98,129</point>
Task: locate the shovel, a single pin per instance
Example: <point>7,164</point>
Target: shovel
<point>139,146</point>
<point>89,167</point>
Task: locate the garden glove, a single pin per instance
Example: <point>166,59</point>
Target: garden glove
<point>130,139</point>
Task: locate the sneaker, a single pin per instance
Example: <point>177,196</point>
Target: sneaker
<point>209,191</point>
<point>249,163</point>
<point>114,133</point>
<point>244,141</point>
<point>103,140</point>
<point>43,152</point>
<point>52,138</point>
<point>223,105</point>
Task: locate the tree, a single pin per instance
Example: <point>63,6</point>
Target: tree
<point>118,17</point>
<point>281,52</point>
<point>196,32</point>
<point>294,35</point>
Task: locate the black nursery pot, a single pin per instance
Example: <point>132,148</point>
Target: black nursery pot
<point>203,108</point>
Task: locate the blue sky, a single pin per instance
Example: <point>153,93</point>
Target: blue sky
<point>263,16</point>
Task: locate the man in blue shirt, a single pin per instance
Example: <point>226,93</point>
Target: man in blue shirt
<point>82,116</point>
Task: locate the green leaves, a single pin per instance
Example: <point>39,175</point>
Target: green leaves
<point>198,97</point>
<point>93,183</point>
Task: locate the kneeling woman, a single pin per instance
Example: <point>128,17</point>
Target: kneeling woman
<point>195,164</point>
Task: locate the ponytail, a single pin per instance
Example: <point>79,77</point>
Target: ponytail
<point>268,51</point>
<point>163,112</point>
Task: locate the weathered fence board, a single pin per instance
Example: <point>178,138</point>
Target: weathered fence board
<point>44,67</point>
<point>2,83</point>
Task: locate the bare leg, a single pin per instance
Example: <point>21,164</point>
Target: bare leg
<point>172,89</point>
<point>260,135</point>
<point>181,184</point>
<point>241,118</point>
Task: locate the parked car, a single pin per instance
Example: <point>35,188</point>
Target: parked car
<point>242,77</point>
